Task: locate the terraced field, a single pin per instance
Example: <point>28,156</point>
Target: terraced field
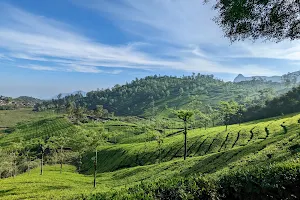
<point>129,161</point>
<point>38,129</point>
<point>213,143</point>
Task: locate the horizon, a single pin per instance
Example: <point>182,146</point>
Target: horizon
<point>56,47</point>
<point>66,93</point>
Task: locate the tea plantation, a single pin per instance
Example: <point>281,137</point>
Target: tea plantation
<point>255,160</point>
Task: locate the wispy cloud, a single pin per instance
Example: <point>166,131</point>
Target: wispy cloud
<point>181,36</point>
<point>30,37</point>
<point>38,67</point>
<point>188,25</point>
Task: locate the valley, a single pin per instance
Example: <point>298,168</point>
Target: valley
<point>136,154</point>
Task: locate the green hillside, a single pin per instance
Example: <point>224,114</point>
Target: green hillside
<point>10,118</point>
<point>43,129</point>
<point>124,161</point>
<point>213,144</point>
<point>149,96</point>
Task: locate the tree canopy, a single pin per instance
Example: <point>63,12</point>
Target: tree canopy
<point>259,19</point>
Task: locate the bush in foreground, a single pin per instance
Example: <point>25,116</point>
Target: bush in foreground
<point>272,182</point>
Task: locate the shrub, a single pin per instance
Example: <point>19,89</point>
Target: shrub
<point>259,183</point>
<point>272,182</point>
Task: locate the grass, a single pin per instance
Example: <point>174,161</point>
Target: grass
<point>247,137</point>
<point>10,118</point>
<point>132,160</point>
<point>51,185</point>
<point>38,129</point>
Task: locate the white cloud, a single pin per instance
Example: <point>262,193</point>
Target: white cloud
<point>178,22</point>
<point>189,26</point>
<point>115,72</point>
<point>38,67</point>
<point>177,32</point>
<point>36,38</point>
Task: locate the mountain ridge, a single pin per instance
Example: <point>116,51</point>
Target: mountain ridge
<point>278,79</point>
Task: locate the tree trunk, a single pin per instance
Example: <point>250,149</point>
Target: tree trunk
<point>185,141</point>
<point>61,160</point>
<point>15,166</point>
<point>79,167</point>
<point>42,160</point>
<point>159,153</point>
<point>95,168</point>
<point>28,167</point>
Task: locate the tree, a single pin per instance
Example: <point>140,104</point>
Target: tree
<point>6,164</point>
<point>59,103</point>
<point>228,109</point>
<point>78,113</point>
<point>94,140</point>
<point>43,146</point>
<point>99,111</point>
<point>28,146</point>
<point>202,118</point>
<point>159,137</point>
<point>240,112</point>
<point>208,114</point>
<point>184,115</point>
<point>16,148</point>
<point>59,142</point>
<point>70,108</point>
<point>215,116</point>
<point>254,19</point>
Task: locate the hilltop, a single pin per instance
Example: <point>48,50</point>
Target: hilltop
<point>151,95</point>
<point>9,103</point>
<point>290,78</point>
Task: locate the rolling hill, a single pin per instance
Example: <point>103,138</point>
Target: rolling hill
<point>215,153</point>
<point>151,95</point>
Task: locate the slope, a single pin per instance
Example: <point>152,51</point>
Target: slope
<point>150,95</point>
<point>211,151</point>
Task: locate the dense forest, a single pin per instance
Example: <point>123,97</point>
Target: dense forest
<point>151,95</point>
<point>282,105</point>
<point>213,101</point>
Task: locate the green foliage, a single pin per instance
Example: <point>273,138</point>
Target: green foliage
<point>273,20</point>
<point>10,118</point>
<point>282,105</point>
<point>275,182</point>
<point>228,110</point>
<point>147,151</point>
<point>184,115</point>
<point>149,96</point>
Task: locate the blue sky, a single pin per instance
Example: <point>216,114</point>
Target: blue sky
<point>58,46</point>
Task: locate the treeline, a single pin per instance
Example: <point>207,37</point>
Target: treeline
<point>282,105</point>
<point>151,94</point>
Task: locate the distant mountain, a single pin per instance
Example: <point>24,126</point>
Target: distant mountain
<point>276,79</point>
<point>8,103</point>
<point>241,78</point>
<point>26,99</point>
